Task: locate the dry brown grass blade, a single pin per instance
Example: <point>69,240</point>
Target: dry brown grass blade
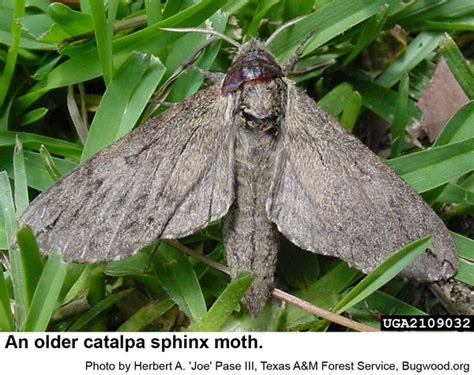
<point>283,296</point>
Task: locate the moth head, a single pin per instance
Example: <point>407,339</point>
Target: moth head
<point>253,64</point>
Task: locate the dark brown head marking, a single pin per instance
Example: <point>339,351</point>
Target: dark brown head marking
<point>253,64</point>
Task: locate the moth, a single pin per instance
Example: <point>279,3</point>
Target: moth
<point>258,153</point>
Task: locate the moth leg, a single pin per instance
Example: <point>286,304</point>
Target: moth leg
<point>289,64</point>
<point>212,77</point>
<point>160,95</point>
<point>189,64</point>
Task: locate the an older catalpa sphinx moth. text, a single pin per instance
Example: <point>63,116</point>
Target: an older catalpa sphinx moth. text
<point>259,153</point>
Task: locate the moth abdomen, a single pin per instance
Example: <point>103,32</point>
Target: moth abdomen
<point>251,239</point>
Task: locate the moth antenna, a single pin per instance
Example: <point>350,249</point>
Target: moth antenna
<point>204,31</point>
<point>289,65</point>
<point>282,28</point>
<point>163,91</point>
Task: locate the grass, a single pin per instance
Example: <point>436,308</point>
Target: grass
<point>106,63</point>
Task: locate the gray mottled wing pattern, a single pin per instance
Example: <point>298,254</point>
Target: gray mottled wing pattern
<point>331,195</point>
<point>166,179</point>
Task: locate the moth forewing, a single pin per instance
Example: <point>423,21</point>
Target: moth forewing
<point>166,179</point>
<point>333,196</point>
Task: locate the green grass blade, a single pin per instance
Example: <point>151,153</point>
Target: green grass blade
<point>32,141</point>
<point>464,245</point>
<point>49,163</point>
<point>45,299</point>
<point>428,169</point>
<point>135,265</point>
<point>80,285</point>
<point>103,36</point>
<point>468,182</point>
<point>422,159</point>
<point>33,116</point>
<point>458,66</point>
<point>71,21</point>
<point>145,316</point>
<point>153,11</point>
<point>263,7</point>
<point>31,262</point>
<point>6,317</point>
<point>459,127</point>
<point>19,176</point>
<point>421,11</point>
<point>453,193</point>
<point>465,272</point>
<point>26,43</point>
<point>400,120</point>
<point>326,22</point>
<point>418,50</point>
<point>369,32</point>
<point>383,101</point>
<point>41,27</point>
<point>3,236</point>
<point>96,293</point>
<point>36,173</point>
<point>141,95</point>
<point>385,272</point>
<point>380,303</point>
<point>190,81</point>
<point>123,101</point>
<point>178,279</point>
<point>97,310</point>
<point>456,24</point>
<point>351,111</point>
<point>227,302</point>
<point>324,292</point>
<point>20,291</point>
<point>12,54</point>
<point>172,8</point>
<point>336,99</point>
<point>7,208</point>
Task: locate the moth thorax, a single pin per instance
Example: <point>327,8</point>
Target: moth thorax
<point>260,105</point>
<point>250,66</point>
